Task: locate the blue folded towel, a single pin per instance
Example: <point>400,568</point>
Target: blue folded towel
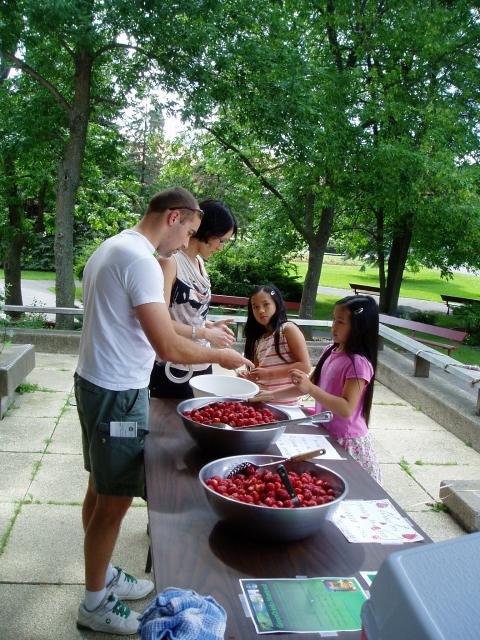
<point>177,614</point>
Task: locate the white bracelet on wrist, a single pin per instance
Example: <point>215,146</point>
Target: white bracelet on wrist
<point>194,331</point>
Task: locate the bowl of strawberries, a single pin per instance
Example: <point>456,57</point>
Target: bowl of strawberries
<point>254,499</point>
<point>227,426</point>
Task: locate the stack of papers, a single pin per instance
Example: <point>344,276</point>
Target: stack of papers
<point>373,521</point>
<point>291,444</point>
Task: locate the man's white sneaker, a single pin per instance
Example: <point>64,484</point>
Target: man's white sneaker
<point>126,587</point>
<point>111,616</point>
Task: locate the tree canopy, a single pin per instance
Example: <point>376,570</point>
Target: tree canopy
<point>352,120</point>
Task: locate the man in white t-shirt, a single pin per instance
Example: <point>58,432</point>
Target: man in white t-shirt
<point>126,322</point>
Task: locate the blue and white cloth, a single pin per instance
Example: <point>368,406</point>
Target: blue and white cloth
<point>178,614</point>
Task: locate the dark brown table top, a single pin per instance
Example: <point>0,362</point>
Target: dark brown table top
<point>191,549</point>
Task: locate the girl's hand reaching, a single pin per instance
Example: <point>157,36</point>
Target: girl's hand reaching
<point>255,374</point>
<point>301,380</point>
<point>263,396</point>
<point>259,375</point>
<point>246,374</point>
<point>219,334</point>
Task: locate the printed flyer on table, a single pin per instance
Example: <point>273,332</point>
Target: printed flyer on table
<point>305,605</point>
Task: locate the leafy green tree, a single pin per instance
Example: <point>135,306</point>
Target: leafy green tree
<point>286,97</point>
<point>102,50</point>
<point>414,197</point>
<point>144,128</point>
<point>336,107</point>
<point>27,163</point>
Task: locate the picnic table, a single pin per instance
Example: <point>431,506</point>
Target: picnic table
<point>421,327</point>
<point>452,301</point>
<point>364,288</point>
<point>191,549</point>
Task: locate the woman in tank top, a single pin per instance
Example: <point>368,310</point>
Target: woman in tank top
<point>187,286</point>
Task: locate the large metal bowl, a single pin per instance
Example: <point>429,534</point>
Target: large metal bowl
<point>267,522</point>
<point>224,442</point>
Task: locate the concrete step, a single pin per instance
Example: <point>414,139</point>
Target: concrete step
<point>463,501</point>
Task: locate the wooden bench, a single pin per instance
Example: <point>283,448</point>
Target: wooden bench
<point>236,303</point>
<point>414,327</point>
<point>451,301</point>
<point>364,288</point>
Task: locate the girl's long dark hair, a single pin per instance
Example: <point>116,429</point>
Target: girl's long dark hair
<point>363,340</point>
<point>254,330</point>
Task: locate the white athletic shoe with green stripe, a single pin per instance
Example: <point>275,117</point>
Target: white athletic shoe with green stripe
<point>126,587</point>
<point>111,616</point>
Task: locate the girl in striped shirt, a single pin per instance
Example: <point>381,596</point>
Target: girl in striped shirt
<point>275,345</point>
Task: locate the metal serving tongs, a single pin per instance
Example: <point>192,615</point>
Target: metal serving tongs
<point>243,466</point>
<point>283,473</point>
<point>316,418</point>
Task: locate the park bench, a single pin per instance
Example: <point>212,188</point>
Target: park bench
<point>364,288</point>
<point>452,301</point>
<point>236,303</point>
<point>420,327</point>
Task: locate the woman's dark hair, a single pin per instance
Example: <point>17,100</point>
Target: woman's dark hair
<point>254,330</point>
<point>363,340</point>
<point>217,220</point>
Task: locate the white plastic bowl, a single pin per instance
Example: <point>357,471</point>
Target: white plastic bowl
<point>216,385</point>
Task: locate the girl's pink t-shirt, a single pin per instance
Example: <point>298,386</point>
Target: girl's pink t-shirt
<point>336,369</point>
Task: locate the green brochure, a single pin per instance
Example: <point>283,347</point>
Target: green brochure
<point>304,605</point>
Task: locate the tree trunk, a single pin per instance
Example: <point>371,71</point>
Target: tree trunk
<point>36,210</point>
<point>316,252</point>
<point>16,239</point>
<point>380,243</point>
<point>396,266</point>
<point>68,181</point>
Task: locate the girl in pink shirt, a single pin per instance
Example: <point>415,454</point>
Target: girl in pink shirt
<point>342,381</point>
<point>276,346</point>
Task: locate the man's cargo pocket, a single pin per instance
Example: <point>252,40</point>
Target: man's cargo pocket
<point>117,464</point>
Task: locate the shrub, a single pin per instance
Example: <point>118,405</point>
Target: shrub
<point>469,315</point>
<point>83,255</point>
<point>38,253</point>
<point>428,317</point>
<point>238,269</point>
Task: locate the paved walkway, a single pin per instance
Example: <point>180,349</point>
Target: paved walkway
<point>42,486</point>
<point>36,292</point>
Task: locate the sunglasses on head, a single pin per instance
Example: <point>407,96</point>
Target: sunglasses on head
<point>199,211</point>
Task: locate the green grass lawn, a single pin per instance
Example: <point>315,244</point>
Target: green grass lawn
<point>34,275</point>
<point>424,285</point>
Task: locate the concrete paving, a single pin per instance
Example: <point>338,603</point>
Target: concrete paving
<point>42,486</point>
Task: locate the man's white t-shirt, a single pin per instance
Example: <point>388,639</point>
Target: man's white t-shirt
<point>119,276</point>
